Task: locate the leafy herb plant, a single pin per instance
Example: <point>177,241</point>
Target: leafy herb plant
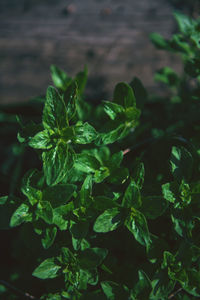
<point>114,209</point>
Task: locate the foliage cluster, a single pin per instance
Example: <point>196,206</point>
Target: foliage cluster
<point>114,211</point>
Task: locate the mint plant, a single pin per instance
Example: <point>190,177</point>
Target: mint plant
<point>114,208</point>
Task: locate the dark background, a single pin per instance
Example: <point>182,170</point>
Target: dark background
<point>110,36</point>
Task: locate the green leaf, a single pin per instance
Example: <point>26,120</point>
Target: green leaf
<point>86,191</point>
<point>54,113</point>
<point>132,196</point>
<point>155,251</point>
<point>181,163</point>
<point>185,23</point>
<point>143,287</point>
<point>139,173</point>
<point>79,229</point>
<point>84,133</point>
<point>167,76</point>
<point>153,206</point>
<point>44,211</point>
<point>81,80</point>
<point>47,269</point>
<point>59,195</point>
<point>50,235</point>
<point>67,257</point>
<point>60,78</point>
<point>21,215</point>
<point>193,285</point>
<point>113,135</point>
<point>61,215</point>
<point>159,41</point>
<point>118,176</point>
<point>183,222</point>
<point>114,291</point>
<point>31,183</point>
<point>109,220</point>
<point>162,285</point>
<point>116,159</point>
<point>56,163</point>
<point>101,174</point>
<point>139,91</point>
<point>170,191</point>
<point>28,131</point>
<point>101,203</point>
<point>86,163</point>
<point>123,95</point>
<point>137,225</point>
<point>70,99</point>
<point>42,140</point>
<point>92,257</point>
<point>3,200</point>
<point>88,276</point>
<point>112,109</point>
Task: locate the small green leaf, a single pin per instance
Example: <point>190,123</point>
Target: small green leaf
<point>50,235</point>
<point>123,95</point>
<point>185,23</point>
<point>153,206</point>
<point>31,183</point>
<point>92,257</point>
<point>81,80</point>
<point>60,78</point>
<point>116,159</point>
<point>101,203</point>
<point>132,196</point>
<point>59,195</point>
<point>101,174</point>
<point>167,76</point>
<point>47,269</point>
<point>70,99</point>
<point>139,173</point>
<point>67,257</point>
<point>79,231</point>
<point>42,140</point>
<point>56,163</point>
<point>181,163</point>
<point>86,190</point>
<point>54,113</point>
<point>118,176</point>
<point>113,109</point>
<point>114,291</point>
<point>162,285</point>
<point>139,91</point>
<point>143,287</point>
<point>159,41</point>
<point>21,215</point>
<point>193,285</point>
<point>86,163</point>
<point>113,135</point>
<point>84,133</point>
<point>137,225</point>
<point>45,211</point>
<point>61,215</point>
<point>109,220</point>
<point>3,200</point>
<point>89,276</point>
<point>169,191</point>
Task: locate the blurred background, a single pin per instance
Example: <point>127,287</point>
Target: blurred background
<point>110,36</point>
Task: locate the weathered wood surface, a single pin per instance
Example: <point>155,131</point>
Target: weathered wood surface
<point>111,37</point>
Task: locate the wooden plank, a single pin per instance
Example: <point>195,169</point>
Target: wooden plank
<point>111,37</point>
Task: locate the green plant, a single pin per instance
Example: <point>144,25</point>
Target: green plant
<point>116,200</point>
